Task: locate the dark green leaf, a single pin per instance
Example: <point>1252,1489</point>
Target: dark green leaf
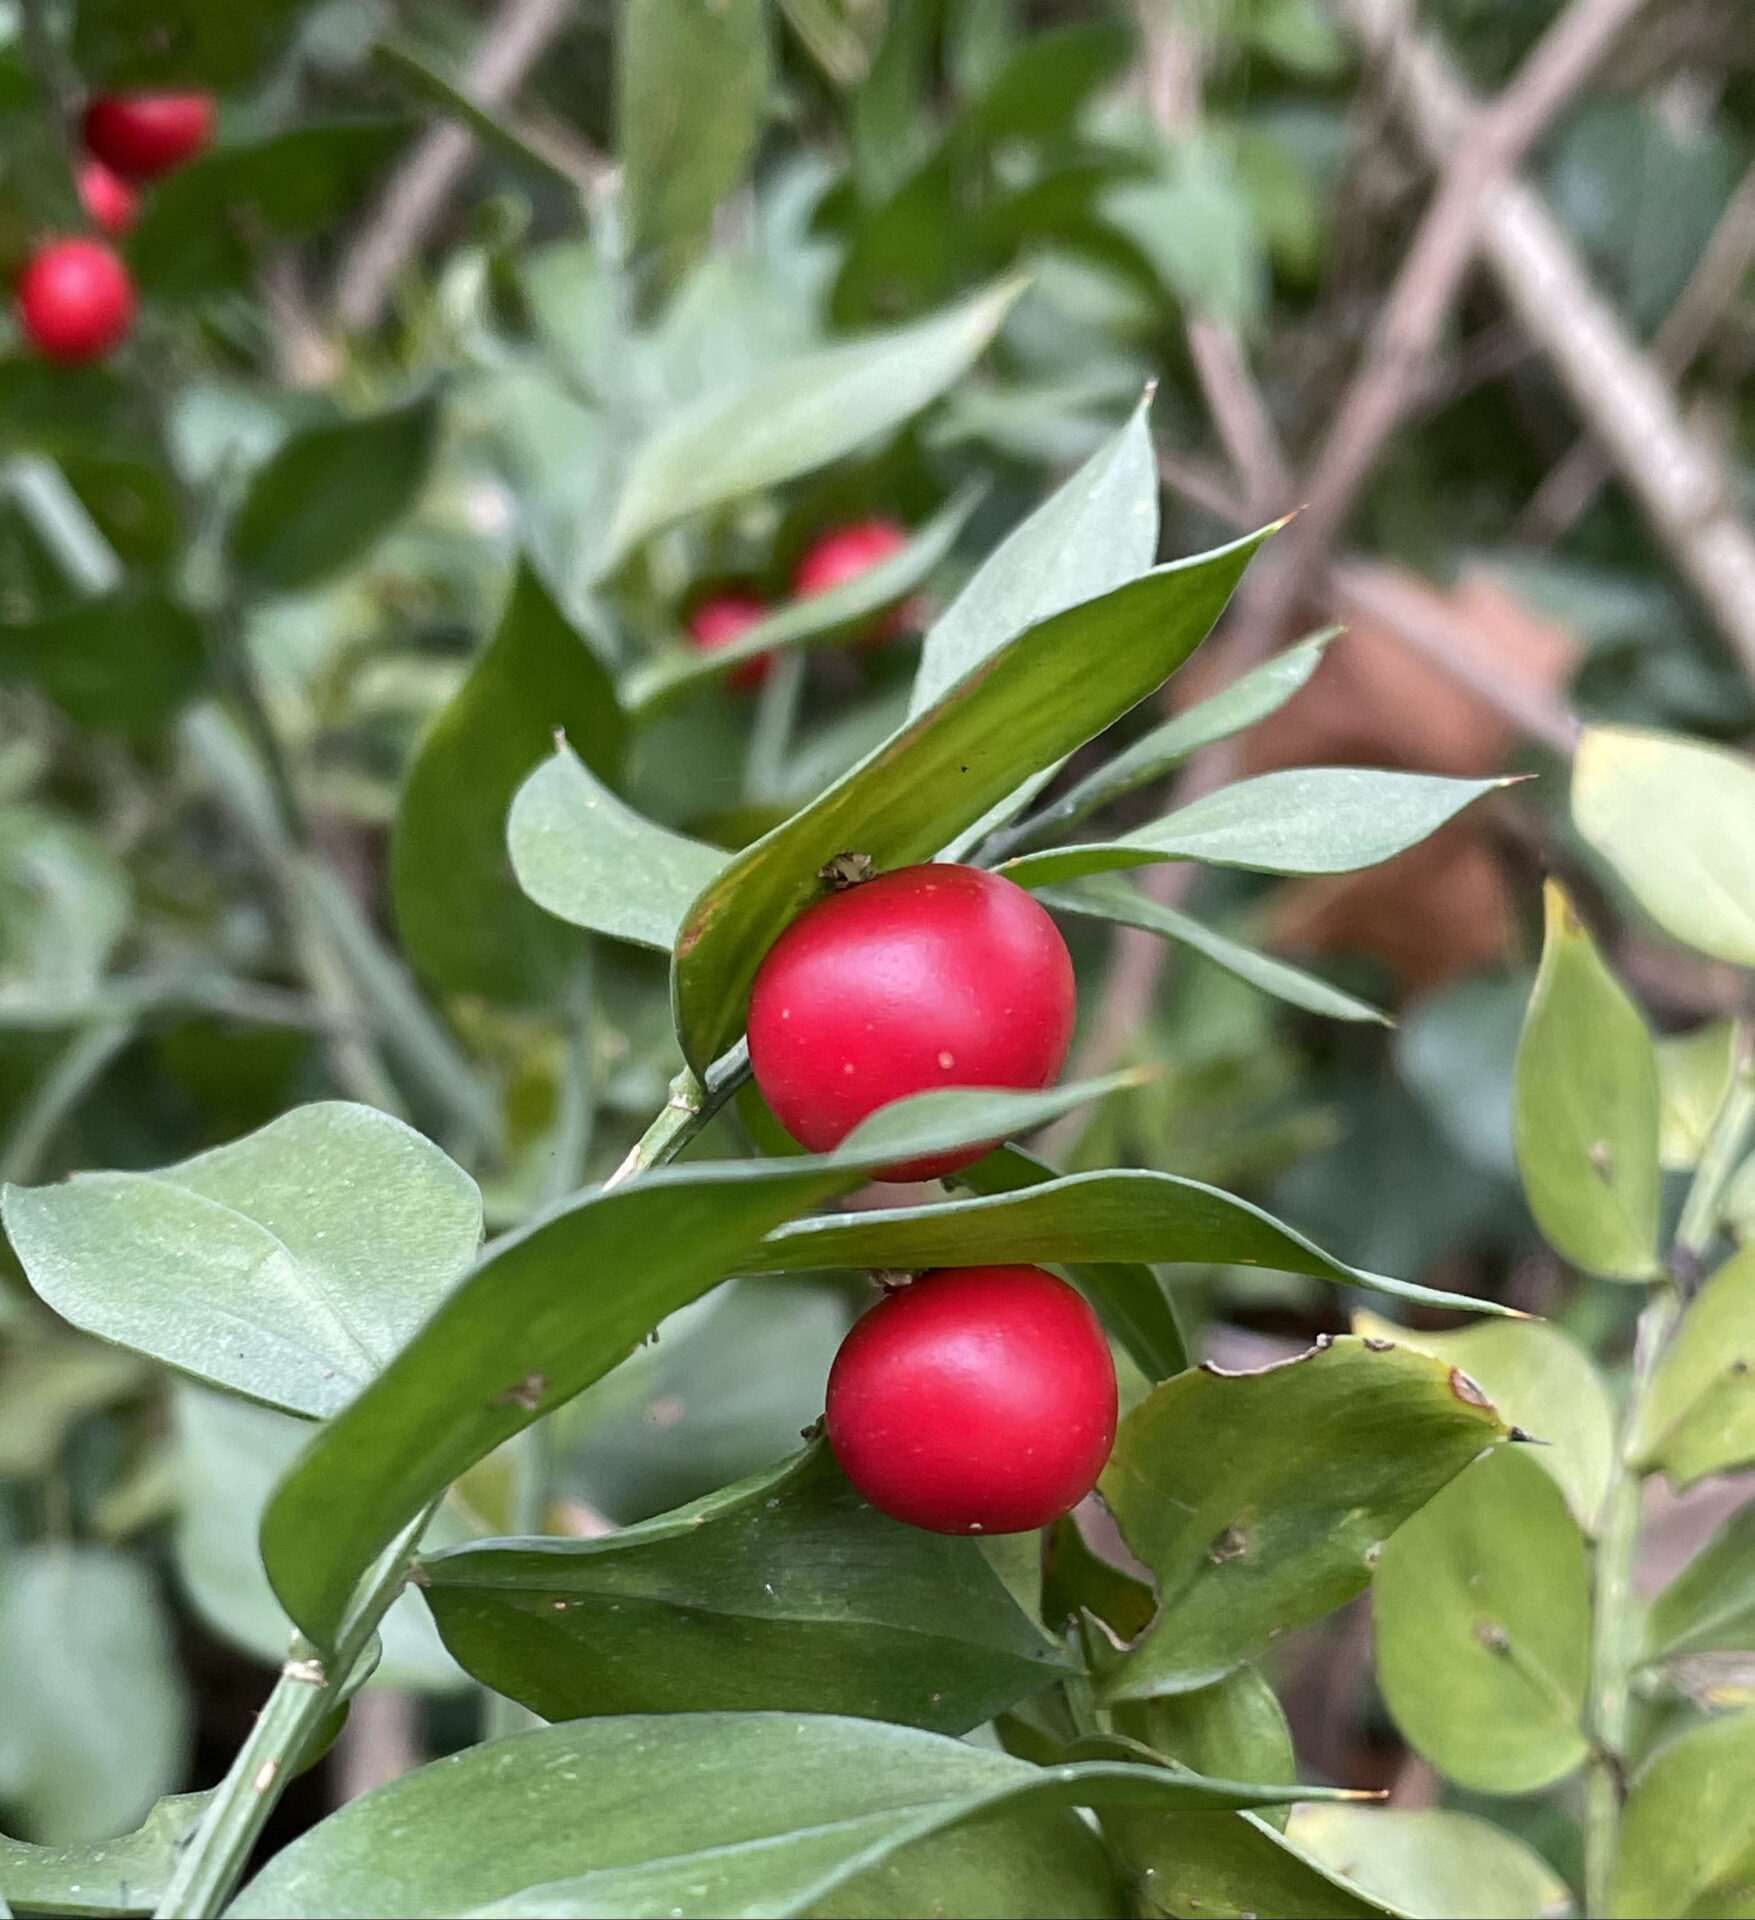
<point>289,1265</point>
<point>462,917</point>
<point>589,858</point>
<point>1710,1605</point>
<point>1432,1861</point>
<point>421,79</point>
<point>1073,1579</point>
<point>124,1876</point>
<point>327,496</point>
<point>1107,897</point>
<point>1699,1416</point>
<point>1303,820</point>
<point>1234,1864</point>
<point>1234,1726</point>
<point>785,1591</point>
<point>537,1321</point>
<point>181,43</point>
<point>1026,705</point>
<point>1261,1500</point>
<point>1585,1113</point>
<point>1688,1830</point>
<point>126,660</point>
<point>1482,1603</point>
<point>708,1814</point>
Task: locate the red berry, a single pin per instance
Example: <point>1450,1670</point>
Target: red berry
<point>978,1400</point>
<point>725,618</point>
<point>934,976</point>
<point>844,555</point>
<point>141,135</point>
<point>75,300</point>
<point>107,198</point>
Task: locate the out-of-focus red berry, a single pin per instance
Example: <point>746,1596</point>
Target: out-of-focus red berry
<point>107,198</point>
<point>143,135</point>
<point>725,618</point>
<point>845,553</point>
<point>75,300</point>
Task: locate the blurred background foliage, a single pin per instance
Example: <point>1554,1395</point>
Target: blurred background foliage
<point>444,270</point>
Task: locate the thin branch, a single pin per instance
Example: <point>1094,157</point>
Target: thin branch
<point>415,196</point>
<point>1565,495</point>
<point>1678,480</point>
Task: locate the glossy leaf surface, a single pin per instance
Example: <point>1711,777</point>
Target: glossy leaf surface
<point>1688,1830</point>
<point>1432,1862</point>
<point>1699,1416</point>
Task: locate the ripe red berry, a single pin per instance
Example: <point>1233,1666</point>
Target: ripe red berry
<point>141,135</point>
<point>107,198</point>
<point>843,555</point>
<point>933,976</point>
<point>75,300</point>
<point>977,1400</point>
<point>725,618</point>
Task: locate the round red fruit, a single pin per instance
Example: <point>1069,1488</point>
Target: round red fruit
<point>843,555</point>
<point>977,1400</point>
<point>725,618</point>
<point>107,198</point>
<point>75,300</point>
<point>143,135</point>
<point>933,976</point>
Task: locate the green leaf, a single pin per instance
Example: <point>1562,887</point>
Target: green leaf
<point>214,43</point>
<point>421,79</point>
<point>532,1325</point>
<point>1585,1108</point>
<point>1432,1861</point>
<point>289,1265</point>
<point>1196,227</point>
<point>1251,697</point>
<point>92,1715</point>
<point>588,858</point>
<point>806,623</point>
<point>1235,1726</point>
<point>1261,1500</point>
<point>1687,1844</point>
<point>1699,1416</point>
<point>1029,703</point>
<point>1121,1214</point>
<point>1710,1605</point>
<point>1303,820</point>
<point>463,920</point>
<point>48,1384</point>
<point>1107,897</point>
<point>1095,533</point>
<point>64,904</point>
<point>785,1591</point>
<point>125,1876</point>
<point>1234,1864</point>
<point>1695,1071</point>
<point>715,1813</point>
<point>125,660</point>
<point>788,418</point>
<point>1482,1604</point>
<point>691,85</point>
<point>1676,820</point>
<point>327,495</point>
<point>1543,1382</point>
<point>1071,1578</point>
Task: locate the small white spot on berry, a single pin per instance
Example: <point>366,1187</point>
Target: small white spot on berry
<point>947,1060</point>
<point>848,1068</point>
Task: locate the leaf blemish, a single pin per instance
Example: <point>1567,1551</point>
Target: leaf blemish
<point>526,1393</point>
<point>1492,1635</point>
<point>1468,1391</point>
<point>1232,1544</point>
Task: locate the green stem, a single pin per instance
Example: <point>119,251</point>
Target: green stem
<point>690,1106</point>
<point>770,742</point>
<point>532,1453</point>
<point>308,1691</point>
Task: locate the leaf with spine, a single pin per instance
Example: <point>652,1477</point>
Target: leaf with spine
<point>1483,1612</point>
<point>1094,533</point>
<point>1120,1214</point>
<point>1302,820</point>
<point>1543,1382</point>
<point>1107,897</point>
<point>328,494</point>
<point>588,858</point>
<point>288,1266</point>
<point>1675,818</point>
<point>1234,1726</point>
<point>533,1324</point>
<point>1699,1416</point>
<point>1133,1301</point>
<point>1709,1607</point>
<point>1031,701</point>
<point>811,622</point>
<point>720,1813</point>
<point>93,1721</point>
<point>790,417</point>
<point>1260,1500</point>
<point>463,920</point>
<point>419,78</point>
<point>1251,697</point>
<point>122,1876</point>
<point>784,1591</point>
<point>1585,1108</point>
<point>1687,1839</point>
<point>691,89</point>
<point>126,660</point>
<point>1432,1861</point>
<point>1695,1073</point>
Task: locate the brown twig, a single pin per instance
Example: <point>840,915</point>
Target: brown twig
<point>414,197</point>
